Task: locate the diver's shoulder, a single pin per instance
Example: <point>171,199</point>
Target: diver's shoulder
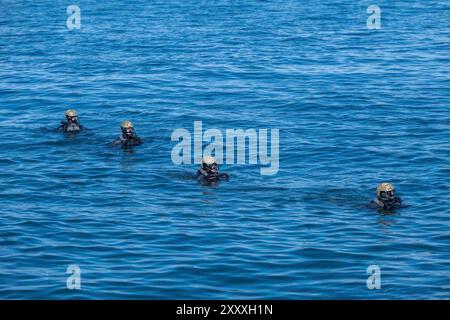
<point>62,126</point>
<point>377,204</point>
<point>136,141</point>
<point>374,204</point>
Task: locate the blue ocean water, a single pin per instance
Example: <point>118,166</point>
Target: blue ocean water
<point>354,107</point>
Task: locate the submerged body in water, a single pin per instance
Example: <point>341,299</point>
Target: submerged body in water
<point>71,124</point>
<point>209,171</point>
<point>128,136</point>
<point>386,198</point>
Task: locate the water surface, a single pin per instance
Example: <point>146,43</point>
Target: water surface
<point>354,107</point>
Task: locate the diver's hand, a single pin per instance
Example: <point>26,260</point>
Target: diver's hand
<point>217,176</point>
<point>397,203</point>
<point>212,177</point>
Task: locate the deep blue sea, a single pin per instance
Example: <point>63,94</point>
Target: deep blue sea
<point>354,107</point>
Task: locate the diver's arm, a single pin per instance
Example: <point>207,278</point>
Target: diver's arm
<point>139,141</point>
<point>211,177</point>
<point>136,140</point>
<point>217,176</point>
<point>377,204</point>
<point>394,205</point>
<point>198,175</point>
<point>204,177</point>
<point>116,142</point>
<point>62,126</point>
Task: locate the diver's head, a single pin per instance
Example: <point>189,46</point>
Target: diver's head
<point>72,116</point>
<point>209,164</point>
<point>386,192</point>
<point>127,128</point>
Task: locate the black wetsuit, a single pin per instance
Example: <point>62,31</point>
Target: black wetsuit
<point>66,127</point>
<point>204,176</point>
<point>396,203</point>
<point>132,140</point>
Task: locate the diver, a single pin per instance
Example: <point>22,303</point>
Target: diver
<point>128,136</point>
<point>386,198</point>
<point>71,124</point>
<point>209,171</point>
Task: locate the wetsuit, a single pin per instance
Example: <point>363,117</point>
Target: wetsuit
<point>133,140</point>
<point>202,175</point>
<point>72,127</point>
<point>396,203</point>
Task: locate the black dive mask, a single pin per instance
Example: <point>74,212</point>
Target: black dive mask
<point>128,132</point>
<point>211,168</point>
<point>387,196</point>
<point>72,120</point>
